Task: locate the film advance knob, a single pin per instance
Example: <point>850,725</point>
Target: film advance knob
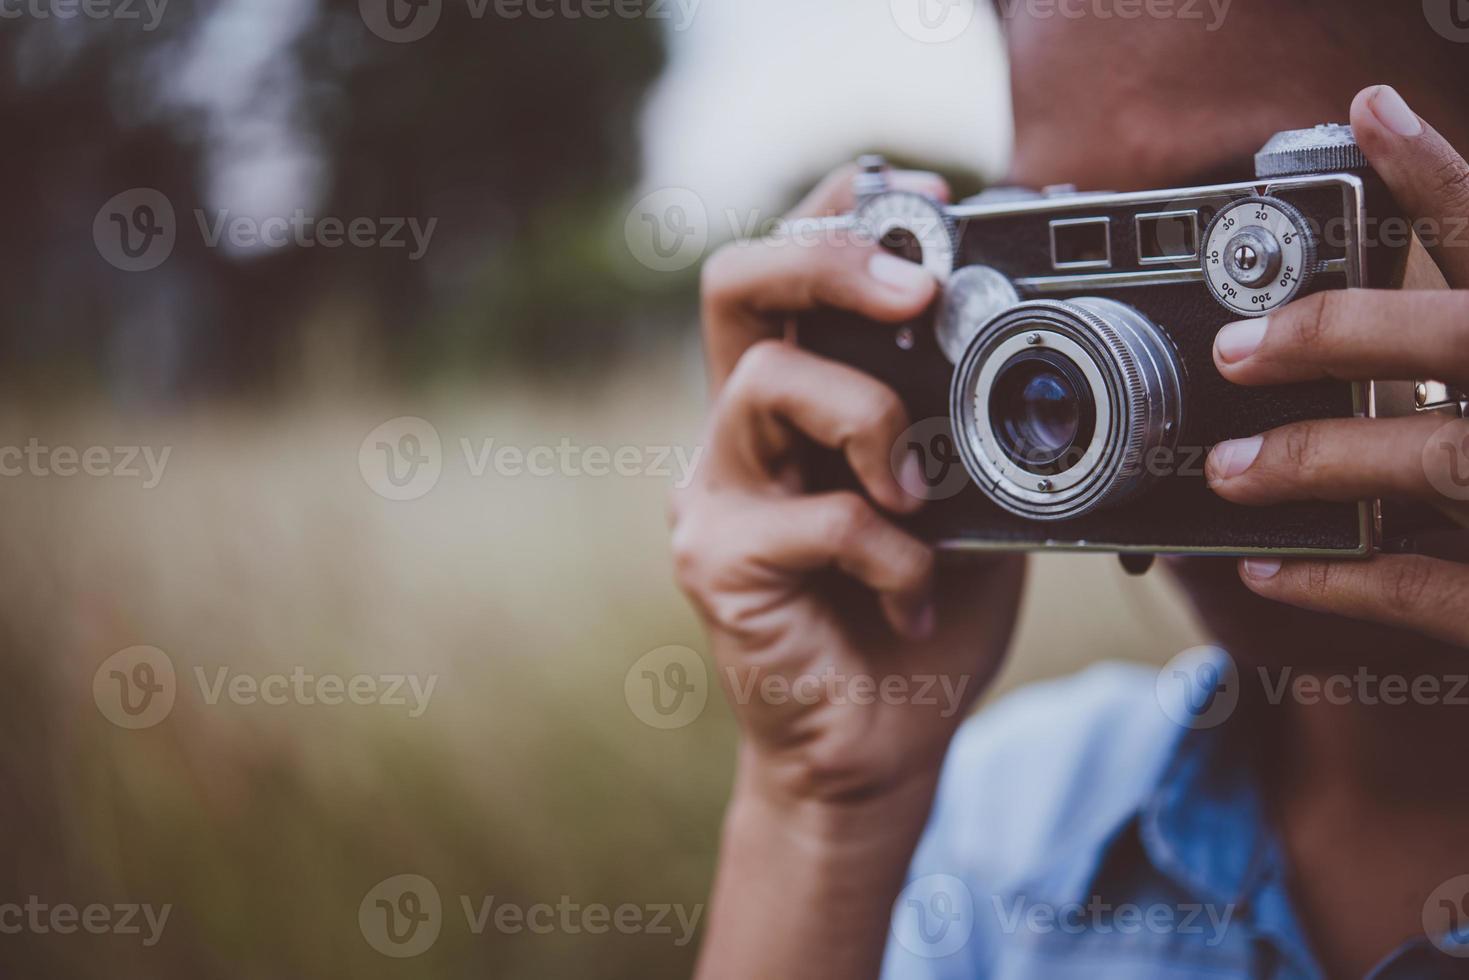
<point>1324,149</point>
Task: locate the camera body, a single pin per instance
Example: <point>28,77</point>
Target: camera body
<point>1063,387</point>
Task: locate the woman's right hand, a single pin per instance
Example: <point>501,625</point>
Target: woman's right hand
<point>835,700</point>
<point>849,658</point>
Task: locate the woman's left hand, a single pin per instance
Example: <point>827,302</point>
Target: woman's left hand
<point>1361,335</point>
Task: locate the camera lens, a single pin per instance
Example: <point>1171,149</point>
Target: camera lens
<point>1042,410</point>
<point>1060,406</point>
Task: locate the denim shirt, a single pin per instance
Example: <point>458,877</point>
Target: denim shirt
<point>1079,832</point>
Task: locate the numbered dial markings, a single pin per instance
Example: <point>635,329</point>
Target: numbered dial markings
<point>1258,255</point>
<point>914,227</point>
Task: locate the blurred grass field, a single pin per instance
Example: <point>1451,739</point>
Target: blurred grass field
<point>528,778</point>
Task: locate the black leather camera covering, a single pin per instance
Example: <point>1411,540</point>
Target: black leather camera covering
<point>1178,512</point>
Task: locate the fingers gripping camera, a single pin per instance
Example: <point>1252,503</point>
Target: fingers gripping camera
<point>1070,350</point>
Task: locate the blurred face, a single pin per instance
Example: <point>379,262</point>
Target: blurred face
<point>1111,104</point>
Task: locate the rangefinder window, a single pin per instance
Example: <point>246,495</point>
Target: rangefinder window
<point>1081,243</point>
<point>1169,237</point>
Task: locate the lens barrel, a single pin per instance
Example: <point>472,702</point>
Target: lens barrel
<point>1062,408</point>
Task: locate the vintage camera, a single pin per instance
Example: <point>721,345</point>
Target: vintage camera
<point>1063,384</point>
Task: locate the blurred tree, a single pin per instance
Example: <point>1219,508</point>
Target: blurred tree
<point>513,133</point>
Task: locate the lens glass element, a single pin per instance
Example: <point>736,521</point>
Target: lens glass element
<point>1042,411</point>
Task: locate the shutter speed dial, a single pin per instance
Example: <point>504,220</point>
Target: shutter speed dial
<point>1258,254</point>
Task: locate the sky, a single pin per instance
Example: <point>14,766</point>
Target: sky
<point>760,95</point>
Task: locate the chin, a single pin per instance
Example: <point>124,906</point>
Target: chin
<point>1258,631</point>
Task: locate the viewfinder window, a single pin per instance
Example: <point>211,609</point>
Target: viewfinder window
<point>1170,237</point>
<point>1081,243</point>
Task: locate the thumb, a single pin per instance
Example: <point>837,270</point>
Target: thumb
<point>1428,177</point>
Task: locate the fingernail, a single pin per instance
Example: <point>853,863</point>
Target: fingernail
<point>1230,459</point>
<point>912,478</point>
<point>1390,109</point>
<point>898,273</point>
<point>1262,569</point>
<point>1239,340</point>
<point>922,181</point>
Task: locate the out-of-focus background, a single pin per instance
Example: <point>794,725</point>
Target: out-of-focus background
<point>349,351</point>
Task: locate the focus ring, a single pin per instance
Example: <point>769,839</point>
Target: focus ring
<point>1134,381</point>
<point>1134,393</point>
